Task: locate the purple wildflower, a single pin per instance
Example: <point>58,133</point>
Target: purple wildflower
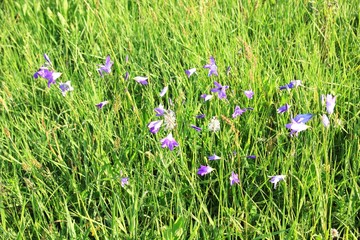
<point>154,126</point>
<point>102,104</point>
<point>214,157</point>
<point>163,92</point>
<point>251,157</point>
<point>124,181</point>
<point>330,103</point>
<point>169,142</point>
<point>234,178</point>
<point>238,111</point>
<point>190,72</point>
<point>126,76</point>
<point>249,94</point>
<point>276,179</point>
<point>196,128</point>
<point>206,97</point>
<point>107,67</point>
<point>200,116</point>
<point>141,80</point>
<point>159,110</point>
<point>65,87</point>
<point>220,90</point>
<point>203,170</point>
<point>49,75</point>
<point>47,59</point>
<point>292,84</point>
<point>212,67</point>
<point>296,126</point>
<point>283,109</point>
<point>303,118</point>
<point>325,120</point>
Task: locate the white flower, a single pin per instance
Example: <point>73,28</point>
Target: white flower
<point>169,120</point>
<point>65,87</point>
<point>276,179</point>
<point>214,125</point>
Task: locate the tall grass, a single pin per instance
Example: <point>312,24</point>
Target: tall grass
<point>62,160</point>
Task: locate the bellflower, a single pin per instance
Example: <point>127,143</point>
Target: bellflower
<point>47,59</point>
<point>190,72</point>
<point>220,90</point>
<point>234,178</point>
<point>206,97</point>
<point>249,94</point>
<point>102,104</point>
<point>160,110</point>
<point>200,116</point>
<point>251,157</point>
<point>65,87</point>
<point>107,67</point>
<point>238,112</point>
<point>292,84</point>
<point>196,128</point>
<point>203,170</point>
<point>296,127</point>
<point>47,74</point>
<point>163,92</point>
<point>124,181</point>
<point>154,126</point>
<point>214,157</point>
<point>169,142</point>
<point>126,76</point>
<point>212,67</point>
<point>276,179</point>
<point>283,109</point>
<point>141,80</point>
<point>325,120</point>
<point>303,118</point>
<point>330,103</point>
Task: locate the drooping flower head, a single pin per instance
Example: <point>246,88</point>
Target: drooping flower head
<point>325,120</point>
<point>196,128</point>
<point>160,110</point>
<point>101,104</point>
<point>276,179</point>
<point>214,157</point>
<point>203,170</point>
<point>212,67</point>
<point>214,125</point>
<point>65,87</point>
<point>190,72</point>
<point>141,80</point>
<point>249,94</point>
<point>206,97</point>
<point>220,90</point>
<point>238,112</point>
<point>283,109</point>
<point>234,179</point>
<point>154,126</point>
<point>330,103</point>
<point>107,67</point>
<point>169,142</point>
<point>124,181</point>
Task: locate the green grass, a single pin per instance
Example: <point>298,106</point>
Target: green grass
<point>61,159</point>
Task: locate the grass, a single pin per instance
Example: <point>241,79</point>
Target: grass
<point>62,159</point>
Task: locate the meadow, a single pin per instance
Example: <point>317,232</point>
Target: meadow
<point>73,169</point>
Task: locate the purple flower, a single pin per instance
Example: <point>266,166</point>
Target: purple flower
<point>283,109</point>
<point>292,84</point>
<point>159,110</point>
<point>107,67</point>
<point>325,120</point>
<point>154,126</point>
<point>249,94</point>
<point>169,142</point>
<point>296,127</point>
<point>206,97</point>
<point>49,75</point>
<point>251,157</point>
<point>200,116</point>
<point>234,178</point>
<point>126,76</point>
<point>214,157</point>
<point>228,70</point>
<point>220,90</point>
<point>303,118</point>
<point>124,181</point>
<point>276,179</point>
<point>330,103</point>
<point>102,104</point>
<point>163,92</point>
<point>196,128</point>
<point>141,80</point>
<point>203,170</point>
<point>212,67</point>
<point>65,87</point>
<point>47,59</point>
<point>238,111</point>
<point>190,72</point>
